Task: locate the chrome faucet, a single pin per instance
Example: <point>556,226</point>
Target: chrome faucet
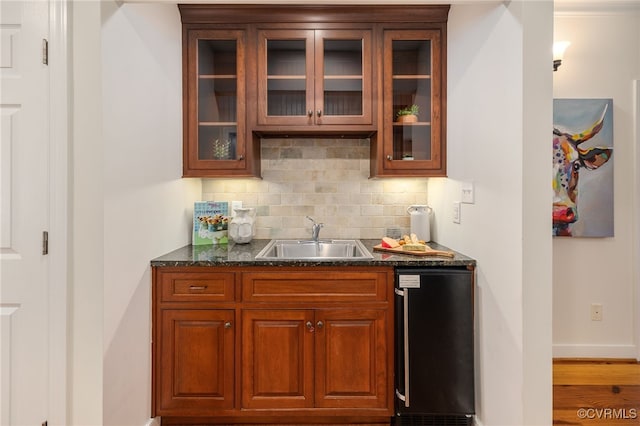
<point>315,229</point>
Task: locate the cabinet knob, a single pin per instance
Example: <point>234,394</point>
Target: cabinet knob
<point>319,112</point>
<point>389,157</point>
<point>241,157</point>
<point>320,324</point>
<point>310,113</point>
<point>227,324</point>
<point>309,325</point>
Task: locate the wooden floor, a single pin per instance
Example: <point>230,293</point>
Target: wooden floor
<point>596,392</point>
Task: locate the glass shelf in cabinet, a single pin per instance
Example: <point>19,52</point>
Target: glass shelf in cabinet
<point>415,123</point>
<point>343,85</point>
<point>217,123</point>
<point>286,84</point>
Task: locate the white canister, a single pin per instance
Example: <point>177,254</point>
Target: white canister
<point>420,223</point>
<point>242,226</point>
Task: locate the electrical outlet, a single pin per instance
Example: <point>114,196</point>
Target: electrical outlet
<point>456,212</point>
<point>394,232</point>
<point>467,193</point>
<point>596,312</point>
<point>235,205</point>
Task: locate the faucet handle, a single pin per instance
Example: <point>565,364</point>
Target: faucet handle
<point>315,229</point>
<point>315,224</point>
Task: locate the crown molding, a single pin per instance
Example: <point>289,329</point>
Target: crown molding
<point>595,7</point>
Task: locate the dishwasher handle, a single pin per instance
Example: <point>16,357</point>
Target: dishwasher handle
<point>404,293</point>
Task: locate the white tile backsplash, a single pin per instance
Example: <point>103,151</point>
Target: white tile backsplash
<point>327,179</point>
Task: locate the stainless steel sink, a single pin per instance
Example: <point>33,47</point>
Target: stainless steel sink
<point>314,250</point>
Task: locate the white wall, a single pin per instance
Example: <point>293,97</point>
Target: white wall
<point>601,62</point>
<point>147,206</point>
<point>636,225</point>
<point>499,105</point>
<point>86,257</point>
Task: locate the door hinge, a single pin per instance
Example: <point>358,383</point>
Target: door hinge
<point>45,51</point>
<point>45,242</point>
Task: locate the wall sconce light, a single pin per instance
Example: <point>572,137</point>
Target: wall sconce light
<point>558,53</point>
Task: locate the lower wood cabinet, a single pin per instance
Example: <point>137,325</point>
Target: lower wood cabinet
<point>351,358</point>
<point>199,347</point>
<point>272,344</point>
<point>277,359</point>
<point>324,358</point>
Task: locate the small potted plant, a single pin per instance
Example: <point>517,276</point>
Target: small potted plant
<point>408,114</point>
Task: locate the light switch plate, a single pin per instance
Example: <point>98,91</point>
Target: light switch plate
<point>456,212</point>
<point>235,205</point>
<point>468,193</point>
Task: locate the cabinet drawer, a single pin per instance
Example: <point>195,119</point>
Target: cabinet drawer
<point>314,286</point>
<point>197,286</point>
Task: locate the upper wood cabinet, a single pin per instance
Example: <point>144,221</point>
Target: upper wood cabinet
<point>413,76</point>
<point>252,72</point>
<point>312,77</point>
<point>215,141</point>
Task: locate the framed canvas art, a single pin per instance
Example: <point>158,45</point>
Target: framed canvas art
<point>583,167</point>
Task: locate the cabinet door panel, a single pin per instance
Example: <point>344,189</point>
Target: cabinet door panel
<point>343,77</point>
<point>285,77</point>
<point>277,358</point>
<point>351,358</point>
<point>413,76</point>
<point>214,103</point>
<point>314,77</point>
<point>197,360</point>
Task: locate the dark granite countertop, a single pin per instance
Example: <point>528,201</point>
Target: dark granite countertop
<point>245,254</point>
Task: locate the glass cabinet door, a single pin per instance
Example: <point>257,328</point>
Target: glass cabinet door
<point>285,83</point>
<point>312,77</point>
<point>412,99</point>
<point>216,124</point>
<point>343,83</point>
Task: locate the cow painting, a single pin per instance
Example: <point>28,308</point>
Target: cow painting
<point>571,158</point>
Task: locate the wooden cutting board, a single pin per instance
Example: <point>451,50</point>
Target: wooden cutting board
<point>429,252</point>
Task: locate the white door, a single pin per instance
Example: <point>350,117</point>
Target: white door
<point>24,213</point>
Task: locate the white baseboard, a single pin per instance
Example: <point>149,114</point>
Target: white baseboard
<point>153,422</point>
<point>595,351</point>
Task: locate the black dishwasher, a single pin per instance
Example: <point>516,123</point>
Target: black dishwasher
<point>434,346</point>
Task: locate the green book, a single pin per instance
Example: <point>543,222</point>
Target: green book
<point>210,222</point>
